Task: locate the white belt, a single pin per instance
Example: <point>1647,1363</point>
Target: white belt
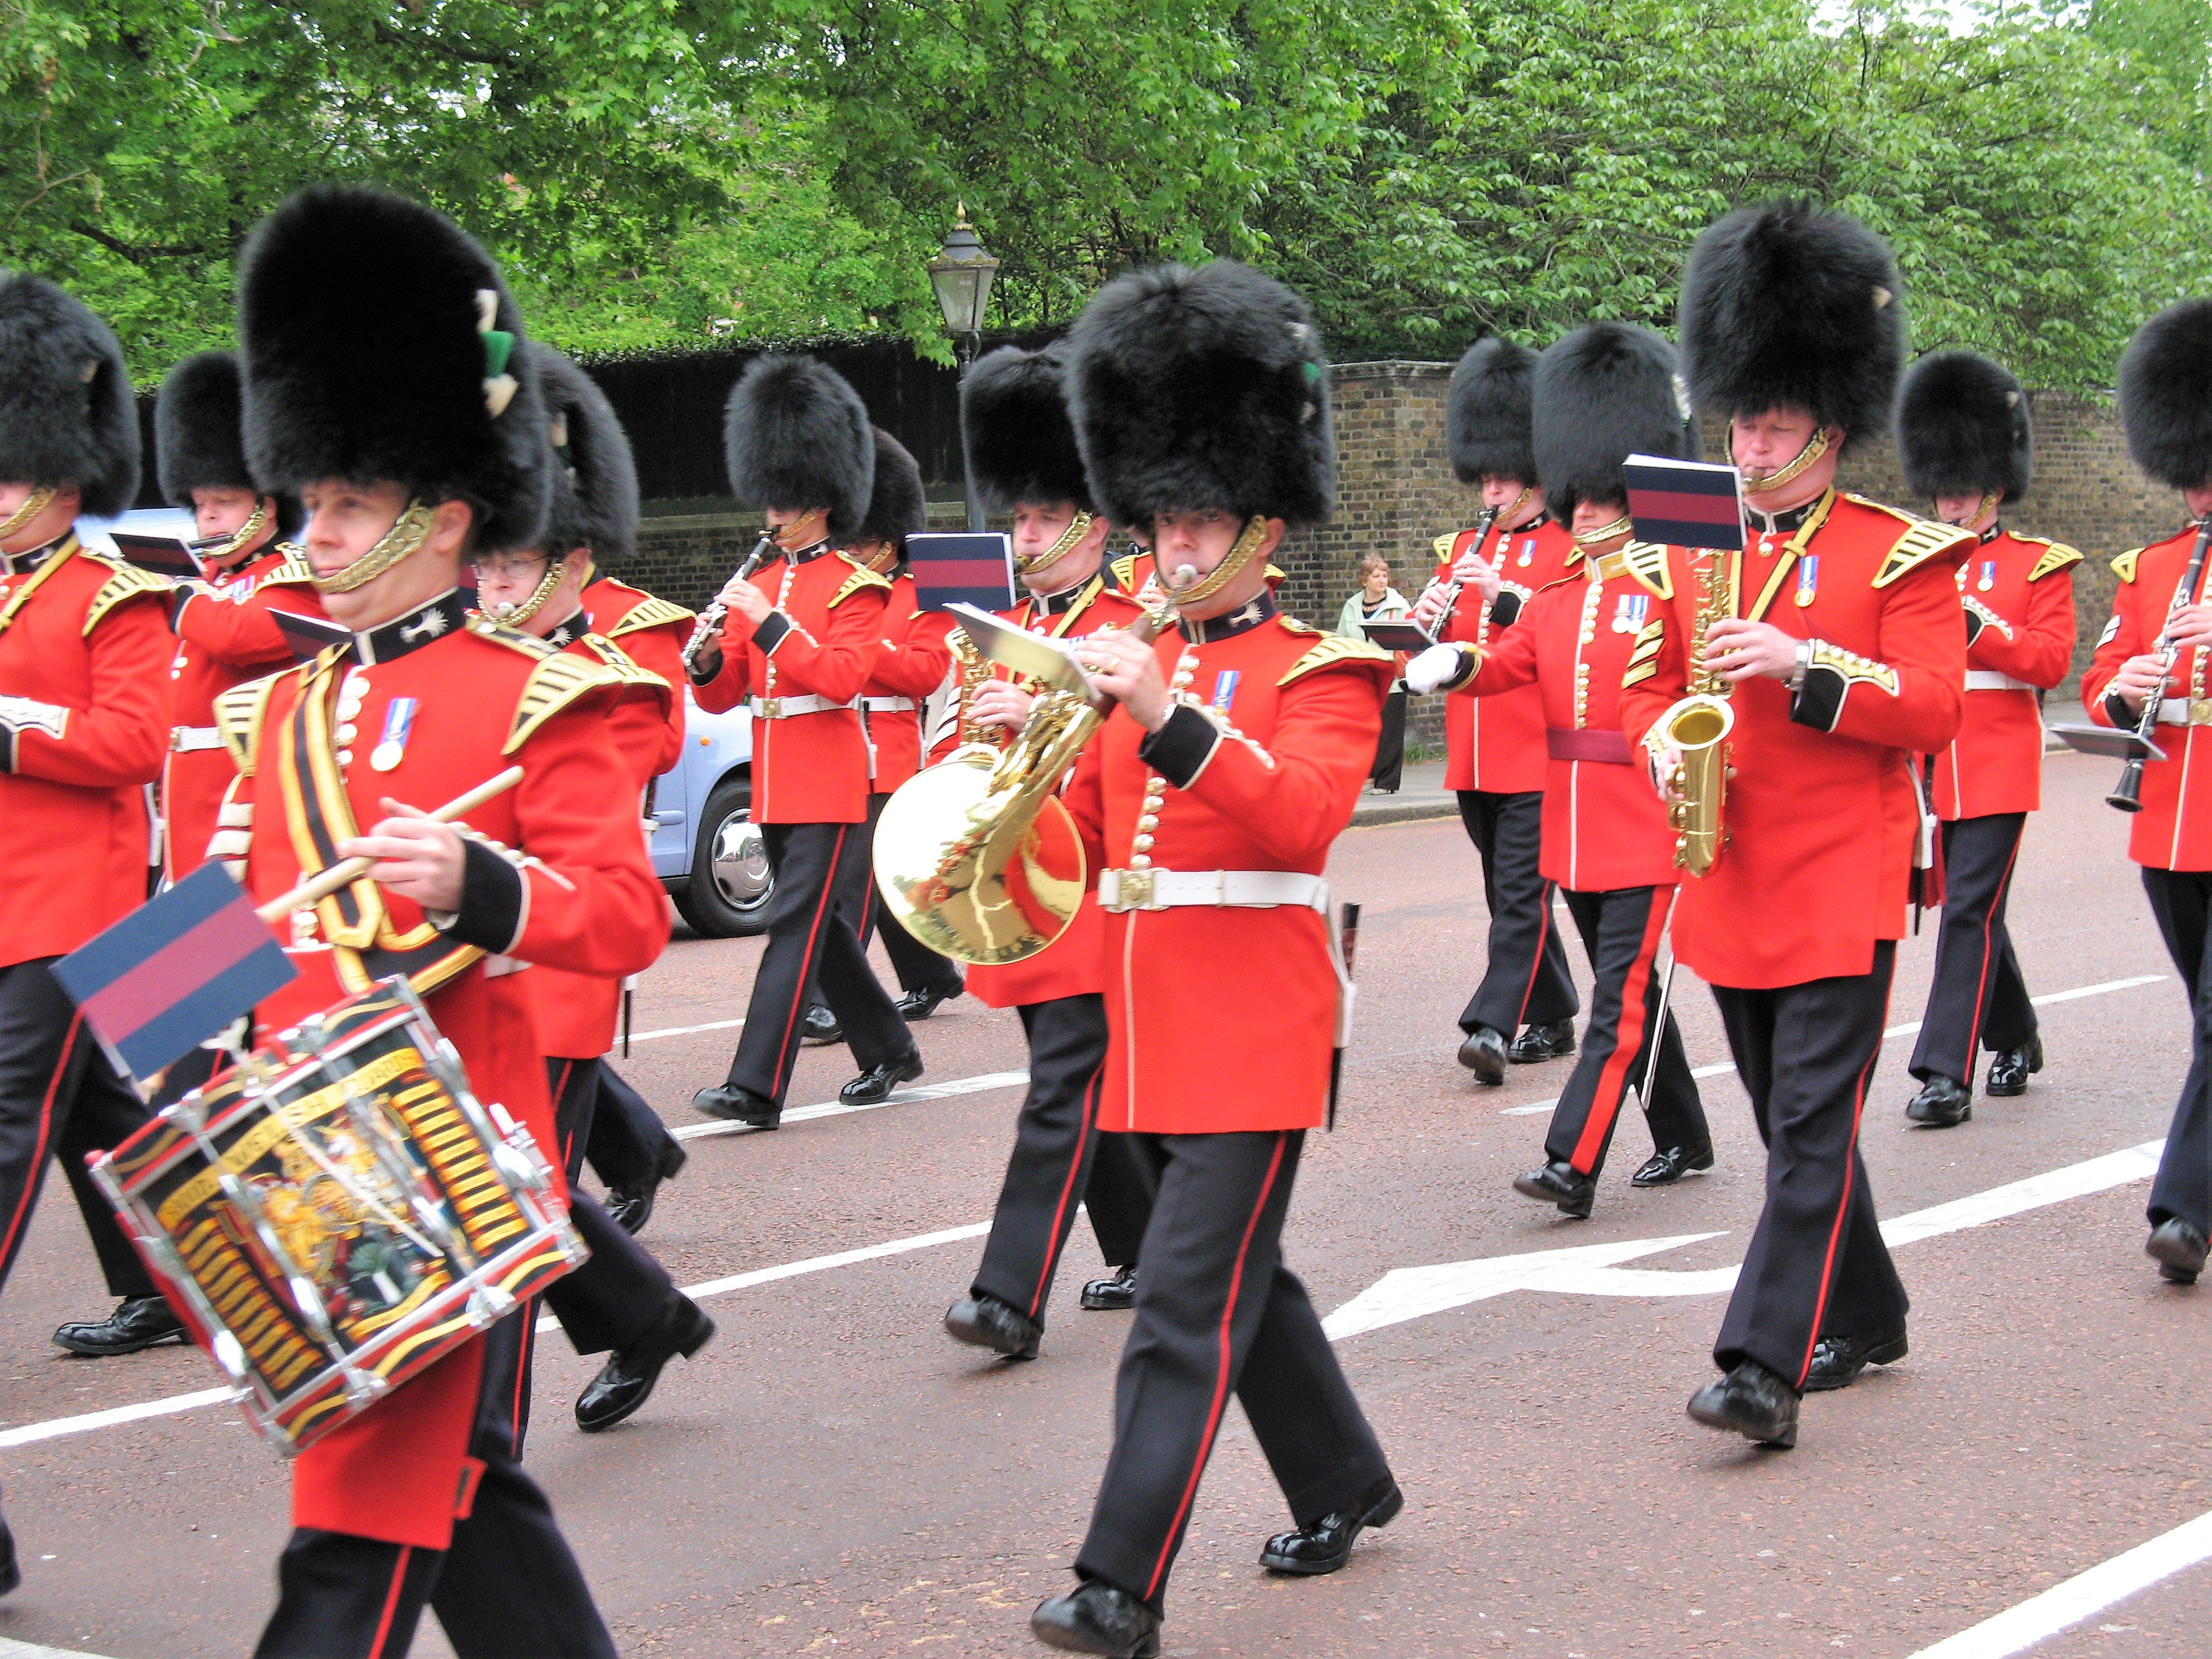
<point>782,709</point>
<point>887,705</point>
<point>1159,889</point>
<point>191,739</point>
<point>1988,679</point>
<point>2180,711</point>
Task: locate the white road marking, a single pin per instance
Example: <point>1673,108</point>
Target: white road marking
<point>1912,1030</point>
<point>683,1030</point>
<point>11,1649</point>
<point>54,1430</point>
<point>1407,1293</point>
<point>962,1085</point>
<point>2063,1605</point>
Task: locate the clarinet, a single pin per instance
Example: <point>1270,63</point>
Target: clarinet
<point>2127,795</point>
<point>710,619</point>
<point>1452,587</point>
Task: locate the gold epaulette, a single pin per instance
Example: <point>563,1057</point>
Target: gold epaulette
<point>1441,547</point>
<point>1647,562</point>
<point>1919,545</point>
<point>633,672</point>
<point>1644,654</point>
<point>2125,566</point>
<point>237,716</point>
<point>513,638</point>
<point>1125,571</point>
<point>650,612</point>
<point>558,681</point>
<point>295,570</point>
<point>861,579</point>
<point>128,582</point>
<point>2056,556</point>
<point>1332,649</point>
<point>1277,575</point>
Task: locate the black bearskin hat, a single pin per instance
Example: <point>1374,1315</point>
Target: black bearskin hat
<point>1786,305</point>
<point>898,506</point>
<point>798,435</point>
<point>2166,395</point>
<point>1963,428</point>
<point>594,477</point>
<point>198,443</point>
<point>1207,388</point>
<point>1021,441</point>
<point>65,412</point>
<point>379,341</point>
<point>1487,413</point>
<point>1602,393</point>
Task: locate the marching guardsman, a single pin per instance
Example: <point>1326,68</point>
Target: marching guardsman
<point>1964,436</point>
<point>799,641</point>
<point>2159,644</point>
<point>621,1302</point>
<point>83,727</point>
<point>1023,457</point>
<point>1602,393</point>
<point>225,633</point>
<point>913,665</point>
<point>384,390</point>
<point>1836,639</point>
<point>1494,759</point>
<point>1209,800</point>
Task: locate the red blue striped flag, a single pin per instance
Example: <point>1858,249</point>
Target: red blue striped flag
<point>1685,503</point>
<point>959,568</point>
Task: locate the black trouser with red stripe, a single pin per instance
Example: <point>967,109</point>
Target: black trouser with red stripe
<point>1977,999</point>
<point>627,1136</point>
<point>1816,1264</point>
<point>821,883</point>
<point>2181,900</point>
<point>1622,930</point>
<point>1118,1198</point>
<point>1527,982</point>
<point>1218,1313</point>
<point>507,1583</point>
<point>617,1296</point>
<point>918,966</point>
<point>59,1099</point>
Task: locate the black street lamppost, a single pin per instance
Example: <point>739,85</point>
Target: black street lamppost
<point>961,273</point>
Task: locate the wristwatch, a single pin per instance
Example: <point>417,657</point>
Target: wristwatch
<point>1802,662</point>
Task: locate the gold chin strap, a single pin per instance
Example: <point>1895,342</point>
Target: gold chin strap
<point>514,616</point>
<point>256,521</point>
<point>1078,528</point>
<point>408,533</point>
<point>1620,527</point>
<point>1241,554</point>
<point>803,531</point>
<point>1518,502</point>
<point>1815,446</point>
<point>36,502</point>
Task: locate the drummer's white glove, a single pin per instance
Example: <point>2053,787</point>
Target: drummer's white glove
<point>1440,667</point>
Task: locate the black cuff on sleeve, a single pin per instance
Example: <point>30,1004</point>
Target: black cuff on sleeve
<point>2117,711</point>
<point>1505,608</point>
<point>1179,751</point>
<point>771,632</point>
<point>491,900</point>
<point>1818,702</point>
<point>1974,626</point>
<point>7,747</point>
<point>179,598</point>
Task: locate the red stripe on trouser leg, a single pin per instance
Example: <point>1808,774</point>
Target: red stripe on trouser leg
<point>392,1602</point>
<point>1220,1403</point>
<point>1982,984</point>
<point>1537,960</point>
<point>805,976</point>
<point>1060,1224</point>
<point>36,1167</point>
<point>1627,1041</point>
<point>1843,1206</point>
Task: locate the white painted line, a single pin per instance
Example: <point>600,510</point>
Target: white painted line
<point>682,1030</point>
<point>964,1085</point>
<point>842,1259</point>
<point>2075,1181</point>
<point>1547,1105</point>
<point>60,1426</point>
<point>2063,1605</point>
<point>11,1649</point>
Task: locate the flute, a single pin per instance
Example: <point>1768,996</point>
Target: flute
<point>2127,794</point>
<point>710,619</point>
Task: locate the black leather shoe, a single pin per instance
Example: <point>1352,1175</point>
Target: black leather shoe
<point>2179,1249</point>
<point>1541,1042</point>
<point>1670,1163</point>
<point>1838,1360</point>
<point>1484,1054</point>
<point>820,1027</point>
<point>625,1382</point>
<point>1561,1184</point>
<point>878,1081</point>
<point>1114,1295</point>
<point>1752,1401</point>
<point>921,1005</point>
<point>629,1203</point>
<point>2010,1069</point>
<point>1325,1544</point>
<point>1941,1103</point>
<point>1098,1618</point>
<point>138,1322</point>
<point>729,1101</point>
<point>984,1321</point>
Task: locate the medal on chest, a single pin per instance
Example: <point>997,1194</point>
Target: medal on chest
<point>1808,579</point>
<point>399,725</point>
<point>1628,616</point>
<point>1988,576</point>
<point>1527,555</point>
<point>1225,688</point>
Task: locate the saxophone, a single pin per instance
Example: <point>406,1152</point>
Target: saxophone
<point>1697,728</point>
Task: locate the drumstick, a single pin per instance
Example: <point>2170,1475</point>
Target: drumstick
<point>349,871</point>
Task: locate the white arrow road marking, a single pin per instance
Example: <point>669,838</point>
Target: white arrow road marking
<point>2063,1606</point>
<point>1407,1293</point>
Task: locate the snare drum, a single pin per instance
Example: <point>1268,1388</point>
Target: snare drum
<point>338,1212</point>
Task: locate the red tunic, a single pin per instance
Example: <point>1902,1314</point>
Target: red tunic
<point>92,637</point>
<point>2173,831</point>
<point>1224,1019</point>
<point>1821,819</point>
<point>485,700</point>
<point>653,633</point>
<point>824,637</point>
<point>225,637</point>
<point>1604,828</point>
<point>1995,762</point>
<point>913,664</point>
<point>1497,745</point>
